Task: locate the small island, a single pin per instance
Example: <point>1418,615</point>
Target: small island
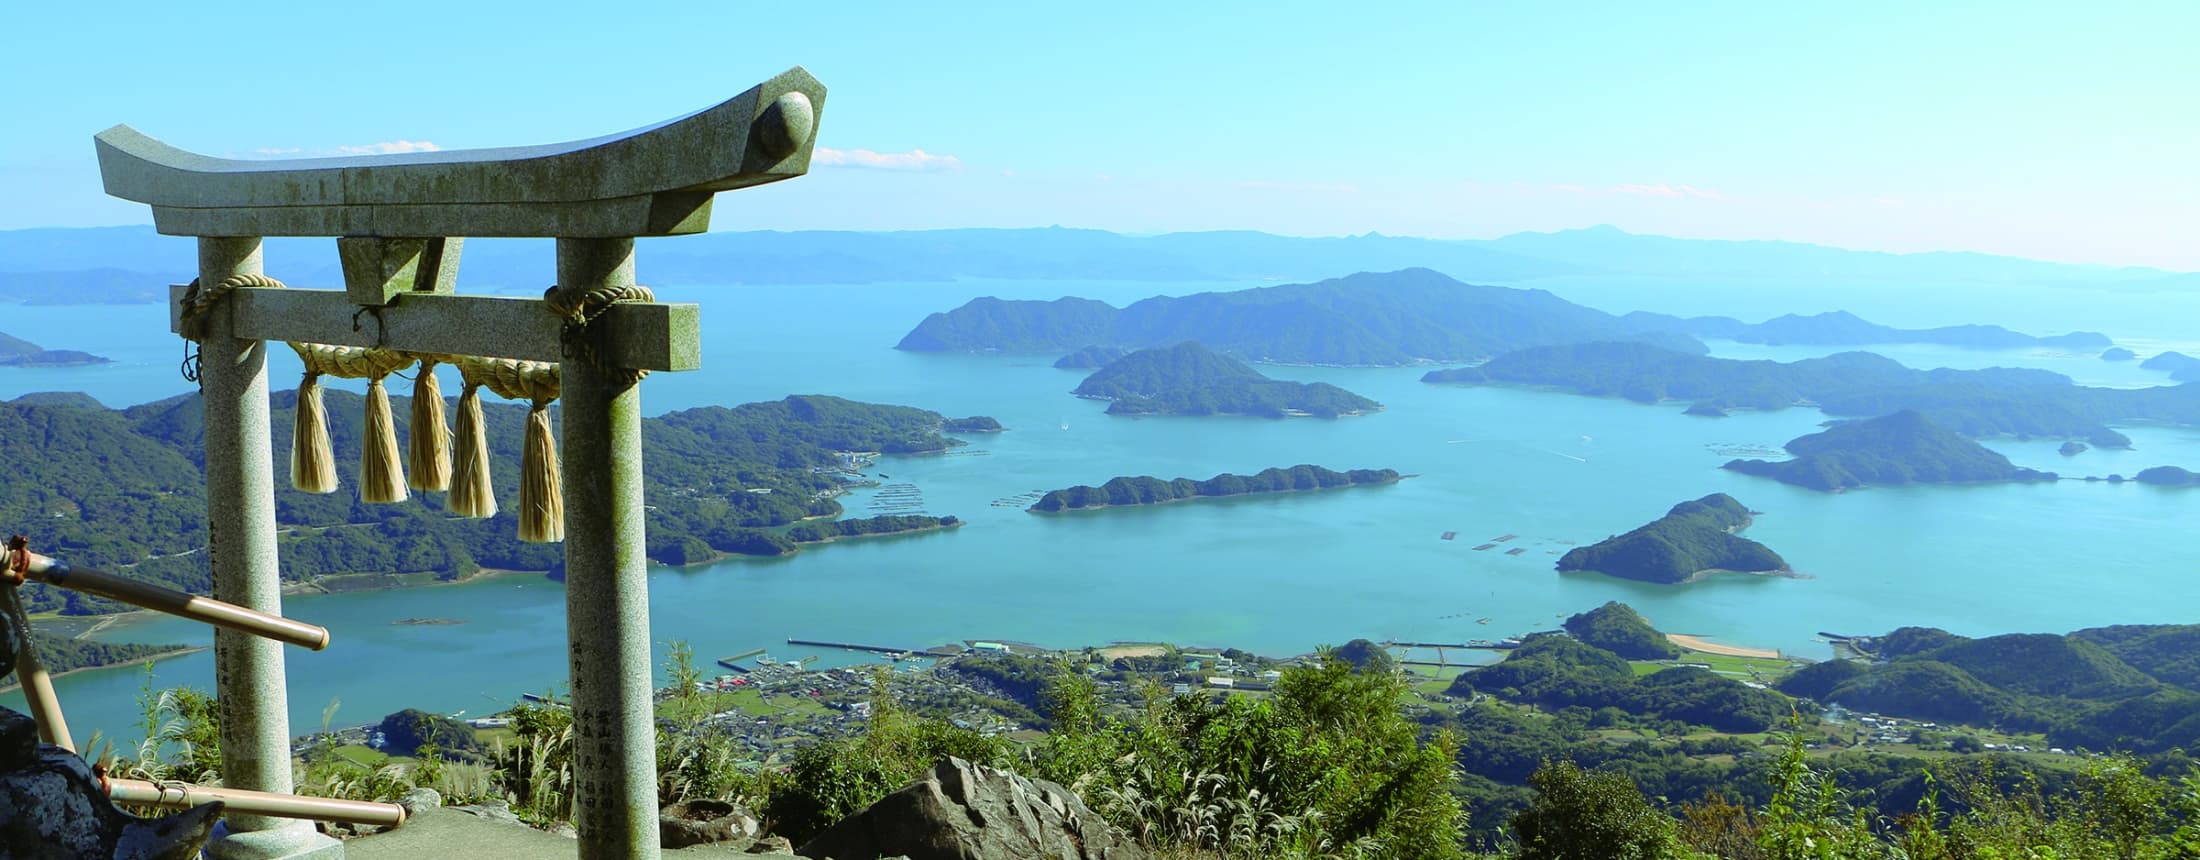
<point>1091,358</point>
<point>1190,379</point>
<point>1902,448</point>
<point>2073,448</point>
<point>428,622</point>
<point>17,352</point>
<point>972,424</point>
<point>1146,490</point>
<point>2168,476</point>
<point>2117,353</point>
<point>1693,540</point>
<point>1704,409</point>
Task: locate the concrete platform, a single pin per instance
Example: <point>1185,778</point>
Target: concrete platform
<point>447,835</point>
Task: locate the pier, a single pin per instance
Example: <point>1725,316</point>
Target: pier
<point>875,649</point>
<point>733,661</point>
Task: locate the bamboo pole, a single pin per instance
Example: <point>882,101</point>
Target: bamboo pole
<point>37,685</point>
<point>182,795</point>
<point>181,604</point>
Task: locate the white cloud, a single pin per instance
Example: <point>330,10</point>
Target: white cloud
<point>386,147</point>
<point>1670,192</point>
<point>915,159</point>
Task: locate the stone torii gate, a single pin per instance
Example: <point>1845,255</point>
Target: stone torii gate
<point>398,221</point>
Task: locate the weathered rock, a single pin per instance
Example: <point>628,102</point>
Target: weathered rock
<point>964,811</point>
<point>51,808</point>
<point>695,822</point>
<point>772,845</point>
<point>420,801</point>
<point>494,810</point>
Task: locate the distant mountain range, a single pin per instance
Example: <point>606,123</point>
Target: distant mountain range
<point>1993,401</point>
<point>106,265</point>
<point>1367,319</point>
<point>1846,329</point>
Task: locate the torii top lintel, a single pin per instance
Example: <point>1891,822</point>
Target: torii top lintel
<point>652,181</point>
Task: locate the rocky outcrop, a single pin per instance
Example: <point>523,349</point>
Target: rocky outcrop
<point>51,806</point>
<point>965,811</point>
<point>696,822</point>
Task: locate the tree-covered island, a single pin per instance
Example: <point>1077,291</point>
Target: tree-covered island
<point>1146,490</point>
<point>1693,540</point>
<point>1190,379</point>
<point>1902,448</point>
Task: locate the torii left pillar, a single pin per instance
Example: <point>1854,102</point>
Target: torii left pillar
<point>240,525</point>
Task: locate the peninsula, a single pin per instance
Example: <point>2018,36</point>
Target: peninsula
<point>1371,319</point>
<point>1902,448</point>
<point>17,352</point>
<point>1693,540</point>
<point>2179,366</point>
<point>755,479</point>
<point>1190,379</point>
<point>1145,490</point>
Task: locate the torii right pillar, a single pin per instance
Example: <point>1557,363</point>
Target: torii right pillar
<point>606,581</point>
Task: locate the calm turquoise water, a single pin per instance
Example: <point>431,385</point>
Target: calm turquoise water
<point>1276,575</point>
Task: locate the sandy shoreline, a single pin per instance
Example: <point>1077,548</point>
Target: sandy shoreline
<point>1697,643</point>
<point>12,686</point>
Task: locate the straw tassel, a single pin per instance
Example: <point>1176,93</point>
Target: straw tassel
<point>471,493</point>
<point>541,497</point>
<point>428,449</point>
<point>312,459</point>
<point>381,481</point>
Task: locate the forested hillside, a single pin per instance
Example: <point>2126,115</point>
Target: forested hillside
<point>123,491</point>
<point>2134,687</point>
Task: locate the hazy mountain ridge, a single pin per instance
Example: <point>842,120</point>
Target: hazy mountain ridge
<point>1367,319</point>
<point>1992,401</point>
<point>109,265</point>
<point>1847,329</point>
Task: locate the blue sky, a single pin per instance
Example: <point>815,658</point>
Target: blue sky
<point>2062,131</point>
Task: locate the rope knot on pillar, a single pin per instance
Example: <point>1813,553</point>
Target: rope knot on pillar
<point>199,299</point>
<point>580,340</point>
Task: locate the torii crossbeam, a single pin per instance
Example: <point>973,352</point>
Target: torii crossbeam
<point>399,221</point>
